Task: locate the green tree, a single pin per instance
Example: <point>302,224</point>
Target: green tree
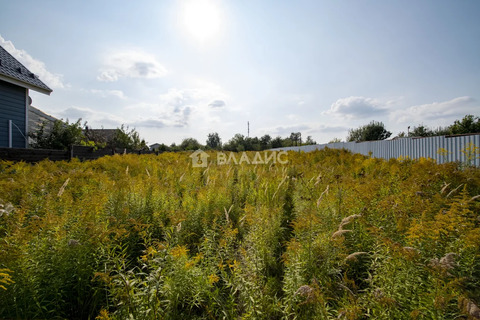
<point>370,132</point>
<point>310,141</point>
<point>61,136</point>
<point>127,139</point>
<point>421,131</point>
<point>469,124</point>
<point>277,142</point>
<point>296,138</point>
<point>252,144</point>
<point>237,143</point>
<point>266,142</point>
<point>335,140</point>
<point>214,141</point>
<point>190,144</point>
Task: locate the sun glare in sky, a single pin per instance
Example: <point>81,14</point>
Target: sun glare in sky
<point>202,19</point>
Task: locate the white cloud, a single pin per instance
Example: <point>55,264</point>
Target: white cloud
<point>217,104</point>
<point>181,107</point>
<point>52,80</point>
<point>286,130</point>
<point>357,107</point>
<point>447,110</point>
<point>95,119</point>
<point>109,93</point>
<point>131,64</point>
<point>167,116</point>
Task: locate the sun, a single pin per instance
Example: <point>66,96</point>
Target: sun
<point>201,19</point>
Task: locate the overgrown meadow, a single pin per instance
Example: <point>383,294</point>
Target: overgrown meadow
<point>328,235</point>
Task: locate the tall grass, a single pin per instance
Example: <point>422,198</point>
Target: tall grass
<point>329,235</point>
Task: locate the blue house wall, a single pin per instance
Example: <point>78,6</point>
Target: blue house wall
<point>13,107</point>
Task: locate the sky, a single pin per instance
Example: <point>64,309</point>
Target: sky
<point>179,69</point>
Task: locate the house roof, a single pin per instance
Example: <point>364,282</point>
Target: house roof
<point>100,135</point>
<point>14,72</point>
<point>37,117</point>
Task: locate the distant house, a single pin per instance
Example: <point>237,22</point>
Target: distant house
<point>155,147</point>
<point>15,83</point>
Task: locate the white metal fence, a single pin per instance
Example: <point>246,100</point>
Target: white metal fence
<point>462,148</point>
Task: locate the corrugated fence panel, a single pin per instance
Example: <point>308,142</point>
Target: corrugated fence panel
<point>461,148</point>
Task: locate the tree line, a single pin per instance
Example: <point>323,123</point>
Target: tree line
<point>239,143</point>
<point>377,131</point>
<point>62,135</point>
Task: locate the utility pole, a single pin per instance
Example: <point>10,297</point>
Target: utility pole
<point>248,129</point>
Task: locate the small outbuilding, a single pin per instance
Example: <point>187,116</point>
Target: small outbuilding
<point>15,83</point>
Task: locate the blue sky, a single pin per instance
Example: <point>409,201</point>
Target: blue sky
<point>178,69</point>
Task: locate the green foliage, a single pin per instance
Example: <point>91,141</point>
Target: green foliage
<point>296,138</point>
<point>335,140</point>
<point>61,136</point>
<point>309,141</point>
<point>214,141</point>
<point>190,144</point>
<point>330,235</point>
<point>370,132</point>
<point>469,124</point>
<point>127,139</point>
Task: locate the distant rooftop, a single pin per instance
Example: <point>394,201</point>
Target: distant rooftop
<point>100,135</point>
<point>14,72</point>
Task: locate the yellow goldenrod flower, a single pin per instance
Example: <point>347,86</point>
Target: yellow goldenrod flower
<point>179,252</point>
<point>213,278</point>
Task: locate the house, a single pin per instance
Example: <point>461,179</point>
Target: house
<point>38,118</point>
<point>101,136</point>
<point>155,146</point>
<point>15,83</point>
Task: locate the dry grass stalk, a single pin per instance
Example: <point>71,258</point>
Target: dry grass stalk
<point>454,190</point>
<point>6,209</point>
<point>279,185</point>
<point>307,292</point>
<point>62,188</point>
<point>321,196</point>
<point>448,261</point>
<point>354,256</point>
<point>445,263</point>
<point>348,220</point>
<point>475,197</point>
<point>469,307</point>
<point>444,188</point>
<point>304,290</point>
<point>410,249</point>
<point>410,252</point>
<point>73,243</point>
<point>339,233</point>
<point>227,216</point>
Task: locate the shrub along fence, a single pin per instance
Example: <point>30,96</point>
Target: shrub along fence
<point>81,152</point>
<point>455,148</point>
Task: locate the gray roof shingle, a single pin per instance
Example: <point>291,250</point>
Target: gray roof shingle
<point>13,71</point>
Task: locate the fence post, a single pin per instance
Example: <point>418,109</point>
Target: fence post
<point>10,134</point>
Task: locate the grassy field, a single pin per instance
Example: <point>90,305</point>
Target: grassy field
<point>328,235</point>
